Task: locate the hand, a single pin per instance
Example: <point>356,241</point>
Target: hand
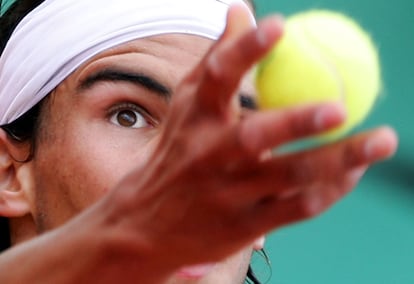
<point>210,187</point>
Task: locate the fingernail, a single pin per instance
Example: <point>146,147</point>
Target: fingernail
<point>261,38</point>
<point>321,118</point>
<point>373,147</point>
<point>328,116</point>
<point>213,63</point>
<point>270,30</point>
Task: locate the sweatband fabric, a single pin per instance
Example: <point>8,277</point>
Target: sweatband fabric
<point>59,35</point>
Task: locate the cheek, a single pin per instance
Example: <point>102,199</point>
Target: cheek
<point>73,171</point>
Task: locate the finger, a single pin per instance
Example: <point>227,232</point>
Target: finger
<point>239,20</point>
<point>328,162</point>
<point>329,166</point>
<point>265,130</point>
<point>233,55</point>
<point>274,212</point>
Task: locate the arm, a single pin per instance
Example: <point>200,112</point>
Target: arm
<point>79,252</point>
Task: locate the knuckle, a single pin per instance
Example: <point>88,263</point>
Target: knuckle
<point>301,172</point>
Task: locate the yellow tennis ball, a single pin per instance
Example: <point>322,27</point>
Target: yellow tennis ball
<point>323,55</point>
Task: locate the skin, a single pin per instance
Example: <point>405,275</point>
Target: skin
<point>197,164</point>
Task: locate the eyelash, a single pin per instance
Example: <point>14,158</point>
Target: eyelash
<point>134,107</point>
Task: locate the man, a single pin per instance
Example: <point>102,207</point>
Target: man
<point>125,155</point>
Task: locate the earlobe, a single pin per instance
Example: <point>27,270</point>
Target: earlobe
<point>12,204</point>
<point>14,199</point>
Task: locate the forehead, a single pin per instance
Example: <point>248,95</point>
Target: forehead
<point>164,46</point>
<point>168,56</point>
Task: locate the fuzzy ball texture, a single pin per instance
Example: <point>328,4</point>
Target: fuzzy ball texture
<point>323,56</point>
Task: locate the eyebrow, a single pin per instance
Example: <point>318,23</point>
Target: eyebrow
<point>115,75</point>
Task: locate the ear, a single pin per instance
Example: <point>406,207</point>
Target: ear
<point>259,243</point>
<point>15,179</point>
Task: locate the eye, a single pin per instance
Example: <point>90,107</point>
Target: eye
<point>129,115</point>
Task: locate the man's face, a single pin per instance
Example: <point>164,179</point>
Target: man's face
<point>103,121</point>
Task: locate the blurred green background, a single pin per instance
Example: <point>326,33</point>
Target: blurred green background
<point>369,236</point>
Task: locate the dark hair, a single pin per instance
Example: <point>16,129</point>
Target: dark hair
<point>24,129</point>
<point>12,17</point>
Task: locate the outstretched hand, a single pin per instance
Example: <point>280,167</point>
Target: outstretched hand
<point>211,187</point>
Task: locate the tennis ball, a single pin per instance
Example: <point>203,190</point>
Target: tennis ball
<point>323,56</point>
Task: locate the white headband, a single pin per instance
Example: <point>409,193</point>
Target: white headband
<point>60,35</point>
